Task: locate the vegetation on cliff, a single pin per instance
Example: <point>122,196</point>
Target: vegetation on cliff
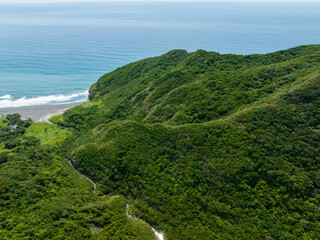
<point>201,145</point>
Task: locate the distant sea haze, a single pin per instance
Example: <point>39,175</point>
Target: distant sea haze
<point>53,53</point>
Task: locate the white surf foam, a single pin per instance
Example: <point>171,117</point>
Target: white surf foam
<point>5,97</point>
<point>8,102</point>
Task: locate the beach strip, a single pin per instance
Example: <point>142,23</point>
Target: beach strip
<point>41,113</point>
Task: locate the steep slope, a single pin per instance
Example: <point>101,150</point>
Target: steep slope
<point>208,146</point>
<point>179,88</point>
<point>42,197</point>
<point>199,145</point>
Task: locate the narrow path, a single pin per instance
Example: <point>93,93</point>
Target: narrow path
<point>93,183</point>
<point>46,117</point>
<point>159,235</point>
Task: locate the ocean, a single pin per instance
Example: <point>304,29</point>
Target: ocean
<point>53,53</point>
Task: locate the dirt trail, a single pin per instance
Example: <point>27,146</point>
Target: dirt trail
<point>46,117</point>
<point>159,235</point>
<point>93,183</point>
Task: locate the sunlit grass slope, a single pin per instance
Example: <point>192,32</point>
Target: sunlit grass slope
<point>47,133</point>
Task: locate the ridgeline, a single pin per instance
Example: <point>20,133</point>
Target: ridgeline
<point>200,145</point>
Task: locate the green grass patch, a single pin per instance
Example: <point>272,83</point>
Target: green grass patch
<point>56,119</point>
<point>48,134</point>
<point>3,122</point>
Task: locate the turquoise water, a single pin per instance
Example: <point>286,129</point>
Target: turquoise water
<point>52,53</point>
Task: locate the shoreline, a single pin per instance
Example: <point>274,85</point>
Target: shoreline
<point>40,113</point>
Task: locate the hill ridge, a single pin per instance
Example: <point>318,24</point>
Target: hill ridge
<point>201,145</point>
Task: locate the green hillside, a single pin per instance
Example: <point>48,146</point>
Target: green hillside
<point>200,145</point>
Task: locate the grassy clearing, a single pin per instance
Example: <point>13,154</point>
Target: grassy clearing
<point>3,122</point>
<point>48,134</point>
<point>56,119</point>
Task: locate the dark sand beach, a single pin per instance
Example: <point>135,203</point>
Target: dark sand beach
<point>39,113</point>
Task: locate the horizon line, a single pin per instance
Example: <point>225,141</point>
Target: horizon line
<point>149,1</point>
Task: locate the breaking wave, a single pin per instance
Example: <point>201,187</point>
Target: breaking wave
<point>5,97</point>
<point>7,101</point>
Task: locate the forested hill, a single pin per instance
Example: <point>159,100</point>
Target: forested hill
<point>180,87</point>
<point>200,145</point>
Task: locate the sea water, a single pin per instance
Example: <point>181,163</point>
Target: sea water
<point>53,53</point>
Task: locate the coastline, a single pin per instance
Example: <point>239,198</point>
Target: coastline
<point>40,113</point>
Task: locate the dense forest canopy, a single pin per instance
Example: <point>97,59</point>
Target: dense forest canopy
<point>197,145</point>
